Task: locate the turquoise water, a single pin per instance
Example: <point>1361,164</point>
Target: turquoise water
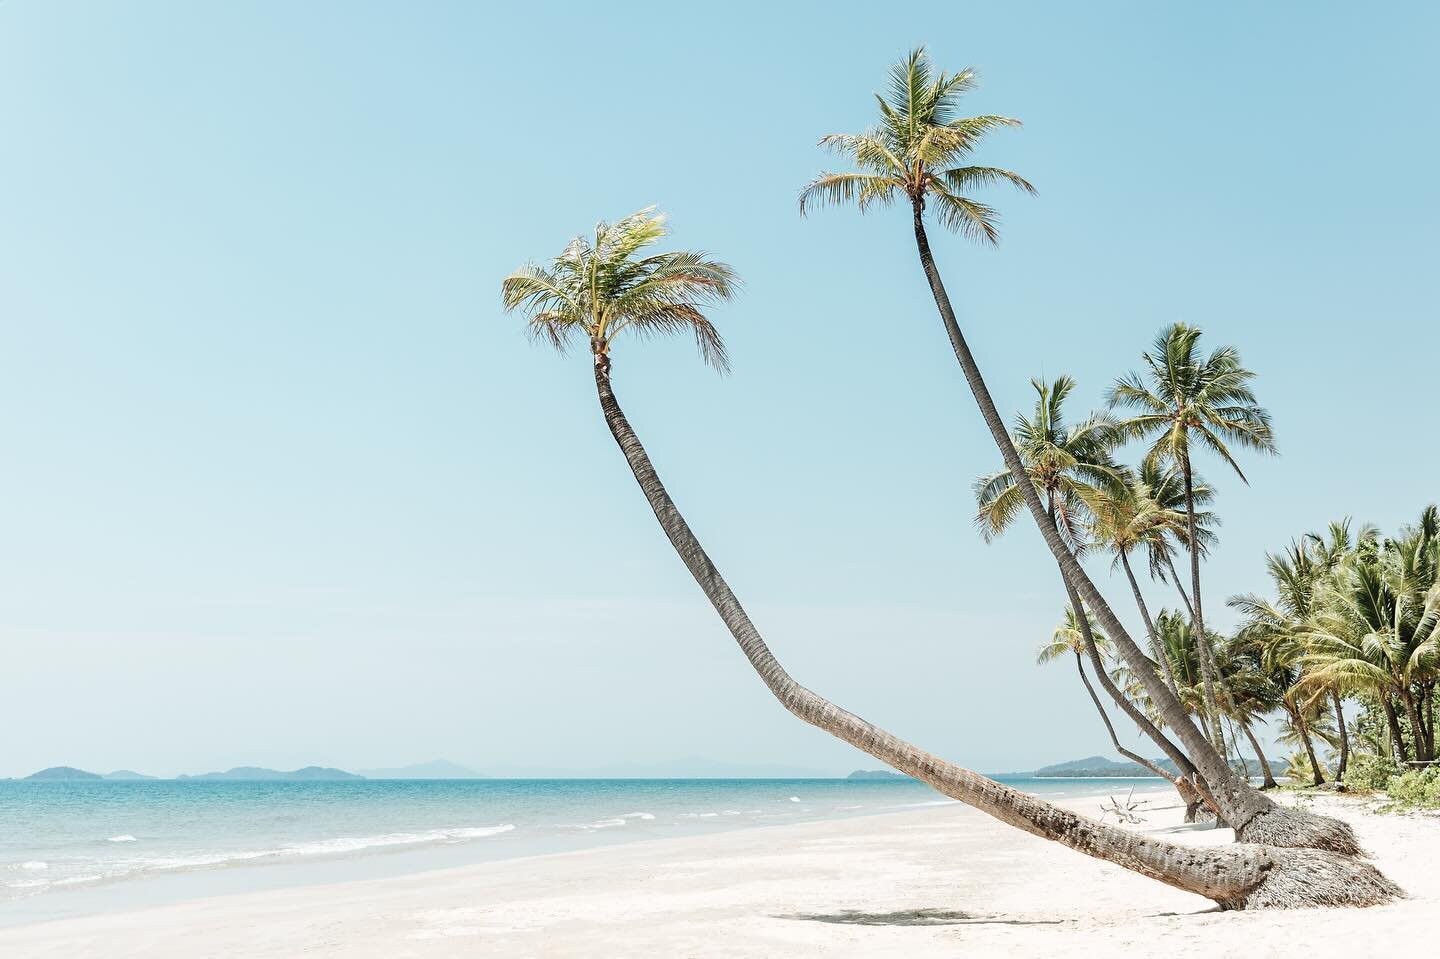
<point>68,848</point>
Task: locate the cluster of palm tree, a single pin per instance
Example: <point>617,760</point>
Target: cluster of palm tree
<point>920,154</point>
<point>1353,616</point>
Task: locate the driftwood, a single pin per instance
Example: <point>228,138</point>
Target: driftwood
<point>1128,811</point>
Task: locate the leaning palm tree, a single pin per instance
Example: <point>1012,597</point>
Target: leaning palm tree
<point>602,286</point>
<point>920,154</point>
<point>1186,400</point>
<point>1069,463</point>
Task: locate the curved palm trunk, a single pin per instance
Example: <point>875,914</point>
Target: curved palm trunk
<point>1186,787</point>
<point>1149,625</point>
<point>1344,737</point>
<point>1195,783</point>
<point>1255,817</point>
<point>1260,756</point>
<point>1239,876</point>
<point>1202,638</point>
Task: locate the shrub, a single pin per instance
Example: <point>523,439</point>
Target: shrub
<point>1370,772</point>
<point>1416,788</point>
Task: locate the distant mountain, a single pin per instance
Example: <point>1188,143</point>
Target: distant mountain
<point>1098,767</point>
<point>876,774</point>
<point>1093,766</point>
<point>128,775</point>
<point>435,769</point>
<point>63,774</point>
<point>258,774</point>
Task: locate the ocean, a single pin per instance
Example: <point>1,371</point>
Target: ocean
<point>70,848</point>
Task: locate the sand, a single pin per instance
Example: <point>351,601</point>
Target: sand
<point>936,881</point>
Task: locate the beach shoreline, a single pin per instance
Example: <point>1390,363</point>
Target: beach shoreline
<point>921,882</point>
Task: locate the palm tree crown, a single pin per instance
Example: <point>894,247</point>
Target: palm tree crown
<point>1184,397</point>
<point>918,151</point>
<point>601,286</point>
<point>1069,465</point>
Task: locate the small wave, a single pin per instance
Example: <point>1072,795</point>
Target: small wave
<point>330,847</point>
<point>76,880</point>
<point>27,883</point>
<point>638,815</point>
<point>34,865</point>
<point>794,798</point>
<point>125,838</point>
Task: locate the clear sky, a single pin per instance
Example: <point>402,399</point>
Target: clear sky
<point>281,485</point>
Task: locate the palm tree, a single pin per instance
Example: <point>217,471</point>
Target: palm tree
<point>1280,632</point>
<point>1069,464</point>
<point>1141,512</point>
<point>1187,399</point>
<point>920,153</point>
<point>602,287</point>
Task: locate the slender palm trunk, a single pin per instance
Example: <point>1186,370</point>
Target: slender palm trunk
<point>1255,817</point>
<point>1397,738</point>
<point>1236,877</point>
<point>1149,625</point>
<point>1184,596</point>
<point>1188,772</point>
<point>1235,745</point>
<point>1417,728</point>
<point>1298,717</point>
<point>1260,756</point>
<point>1110,728</point>
<point>1202,638</point>
<point>1344,737</point>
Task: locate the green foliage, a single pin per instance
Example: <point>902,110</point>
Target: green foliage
<point>1416,789</point>
<point>602,286</point>
<point>1371,772</point>
<point>920,151</point>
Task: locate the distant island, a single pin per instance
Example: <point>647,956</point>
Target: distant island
<point>63,774</point>
<point>876,774</point>
<point>1099,767</point>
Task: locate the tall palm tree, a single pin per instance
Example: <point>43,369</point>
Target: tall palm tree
<point>1069,463</point>
<point>1183,400</point>
<point>920,153</point>
<point>601,287</point>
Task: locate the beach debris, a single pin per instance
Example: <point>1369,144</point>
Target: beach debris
<point>1126,812</point>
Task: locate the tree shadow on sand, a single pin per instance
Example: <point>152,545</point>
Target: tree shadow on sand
<point>914,917</point>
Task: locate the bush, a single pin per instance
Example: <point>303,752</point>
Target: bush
<point>1416,788</point>
<point>1370,772</point>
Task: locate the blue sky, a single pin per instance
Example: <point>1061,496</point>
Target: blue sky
<point>282,485</point>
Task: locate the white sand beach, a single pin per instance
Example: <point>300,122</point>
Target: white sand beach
<point>935,881</point>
